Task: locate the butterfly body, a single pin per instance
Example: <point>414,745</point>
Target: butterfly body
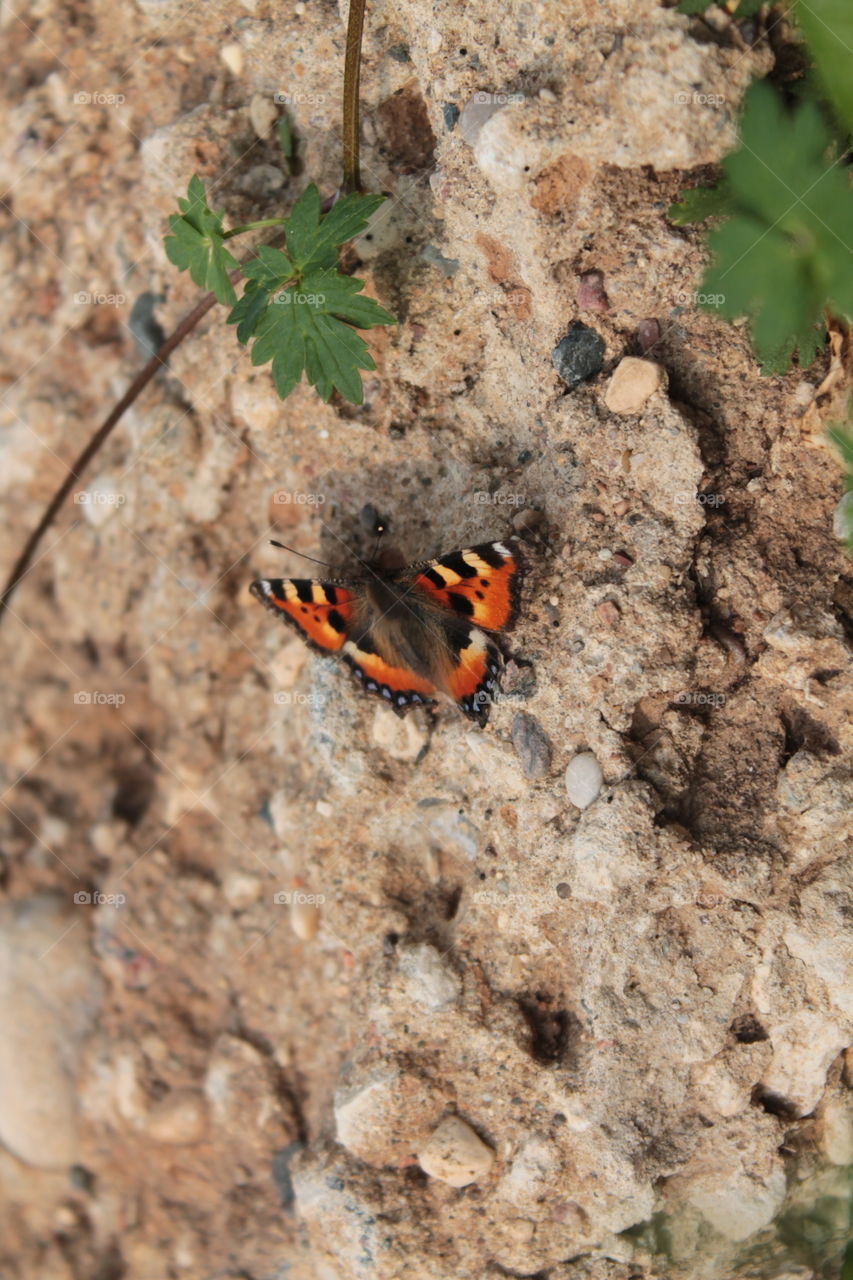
<point>409,633</point>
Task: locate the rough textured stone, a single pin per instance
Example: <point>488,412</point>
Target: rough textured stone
<point>632,383</point>
<point>455,1154</point>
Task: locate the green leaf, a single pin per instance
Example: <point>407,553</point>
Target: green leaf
<point>699,203</point>
<point>828,28</point>
<point>745,9</point>
<point>285,136</point>
<point>306,328</point>
<point>197,243</point>
<point>301,311</point>
<point>786,254</point>
<point>249,310</point>
<point>842,438</point>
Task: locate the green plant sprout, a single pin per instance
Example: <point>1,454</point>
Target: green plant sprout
<point>783,254</point>
<point>298,308</point>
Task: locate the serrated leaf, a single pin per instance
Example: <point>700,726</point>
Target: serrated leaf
<point>699,203</point>
<point>249,310</point>
<point>197,243</point>
<point>828,28</point>
<point>307,328</point>
<point>787,252</point>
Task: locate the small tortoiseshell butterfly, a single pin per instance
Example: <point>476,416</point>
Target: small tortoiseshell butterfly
<point>410,633</point>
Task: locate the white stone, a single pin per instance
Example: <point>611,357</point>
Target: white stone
<point>739,1206</point>
<point>263,114</point>
<point>804,1047</point>
<point>583,779</point>
<point>232,56</point>
<point>632,383</point>
<point>429,978</point>
<point>837,1131</point>
<point>179,1119</point>
<point>455,1154</point>
<point>401,739</point>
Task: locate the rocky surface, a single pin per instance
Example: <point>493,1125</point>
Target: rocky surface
<point>348,996</point>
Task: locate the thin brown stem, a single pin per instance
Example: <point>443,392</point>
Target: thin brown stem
<point>352,73</point>
<point>157,362</point>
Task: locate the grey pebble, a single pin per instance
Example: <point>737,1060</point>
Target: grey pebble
<point>532,745</point>
<point>579,356</point>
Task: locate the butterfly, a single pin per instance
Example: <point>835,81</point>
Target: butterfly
<point>410,633</point>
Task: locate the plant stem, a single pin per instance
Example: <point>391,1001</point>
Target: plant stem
<point>352,72</point>
<point>254,226</point>
<point>157,362</point>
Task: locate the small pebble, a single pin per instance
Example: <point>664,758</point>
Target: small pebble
<point>430,980</point>
<point>304,917</point>
<point>532,745</point>
<point>648,335</point>
<point>579,356</point>
<point>842,518</point>
<point>399,52</point>
<point>527,520</point>
<point>263,114</point>
<point>620,508</point>
<point>232,56</point>
<point>622,557</point>
<point>591,295</point>
<point>583,779</point>
<point>608,612</point>
<point>262,180</point>
<point>455,1154</point>
<point>631,385</point>
<point>450,112</point>
<point>404,739</point>
<point>179,1119</point>
<point>475,113</point>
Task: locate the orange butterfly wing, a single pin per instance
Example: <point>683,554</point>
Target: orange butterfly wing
<point>481,584</point>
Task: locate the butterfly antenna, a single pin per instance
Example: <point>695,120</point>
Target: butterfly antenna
<point>283,546</point>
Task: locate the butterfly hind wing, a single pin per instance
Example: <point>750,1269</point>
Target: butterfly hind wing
<point>324,614</point>
<point>473,680</point>
<point>480,584</point>
<point>400,688</point>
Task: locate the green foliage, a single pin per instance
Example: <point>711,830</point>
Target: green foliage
<point>745,9</point>
<point>699,203</point>
<point>783,256</point>
<point>299,309</point>
<point>828,28</point>
<point>196,244</point>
